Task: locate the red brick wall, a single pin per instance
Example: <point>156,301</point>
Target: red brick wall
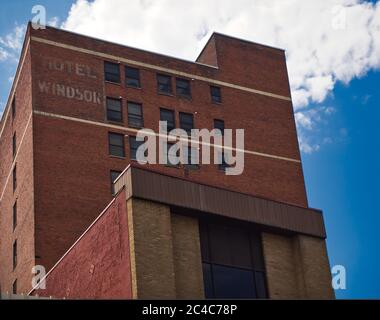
<point>100,259</point>
<point>22,126</point>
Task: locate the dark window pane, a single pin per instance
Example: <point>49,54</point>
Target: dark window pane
<point>257,253</point>
<point>261,288</point>
<point>135,115</point>
<point>215,94</point>
<point>164,83</point>
<point>132,76</point>
<point>14,174</point>
<point>14,107</point>
<point>239,248</point>
<point>219,124</point>
<point>14,254</point>
<point>172,152</point>
<point>223,165</point>
<point>191,155</point>
<point>134,145</point>
<point>14,216</point>
<point>116,144</point>
<point>183,87</point>
<point>219,244</point>
<point>112,72</point>
<point>114,110</point>
<point>204,242</point>
<point>207,281</point>
<point>233,283</point>
<point>14,145</point>
<point>186,122</point>
<point>168,116</point>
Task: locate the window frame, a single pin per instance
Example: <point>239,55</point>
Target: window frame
<point>172,112</point>
<point>219,96</point>
<point>135,116</point>
<point>138,79</point>
<point>132,142</point>
<point>170,84</point>
<point>106,73</point>
<point>110,145</point>
<point>121,110</point>
<point>217,127</point>
<point>181,122</point>
<point>183,95</point>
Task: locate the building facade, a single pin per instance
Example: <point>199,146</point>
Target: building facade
<point>68,132</point>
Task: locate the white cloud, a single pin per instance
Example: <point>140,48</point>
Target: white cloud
<point>11,44</point>
<point>326,41</point>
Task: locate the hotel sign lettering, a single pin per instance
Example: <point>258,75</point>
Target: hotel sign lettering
<point>68,91</point>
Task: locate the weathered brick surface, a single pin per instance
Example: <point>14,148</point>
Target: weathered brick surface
<point>187,257</point>
<point>98,266</point>
<point>297,267</point>
<point>24,233</point>
<point>153,250</point>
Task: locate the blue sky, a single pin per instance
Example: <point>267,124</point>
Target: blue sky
<point>334,75</point>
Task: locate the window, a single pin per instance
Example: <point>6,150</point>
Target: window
<point>233,263</point>
<point>135,115</point>
<point>114,175</point>
<point>14,175</point>
<point>134,145</point>
<point>14,107</point>
<point>132,77</point>
<point>219,124</point>
<point>116,144</point>
<point>114,110</point>
<point>112,72</point>
<point>186,122</point>
<point>14,287</point>
<point>216,96</point>
<point>14,145</point>
<point>183,88</point>
<point>168,116</point>
<point>223,165</point>
<point>192,155</point>
<point>172,152</point>
<point>164,84</point>
<point>14,254</point>
<point>14,215</point>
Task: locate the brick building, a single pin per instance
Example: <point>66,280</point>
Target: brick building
<point>68,149</point>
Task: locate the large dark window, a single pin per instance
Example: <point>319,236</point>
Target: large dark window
<point>14,145</point>
<point>114,110</point>
<point>112,72</point>
<point>168,116</point>
<point>14,215</point>
<point>135,115</point>
<point>219,124</point>
<point>216,95</point>
<point>14,254</point>
<point>114,175</point>
<point>172,153</point>
<point>116,144</point>
<point>14,176</point>
<point>183,88</point>
<point>233,264</point>
<point>186,122</point>
<point>132,77</point>
<point>133,146</point>
<point>164,84</point>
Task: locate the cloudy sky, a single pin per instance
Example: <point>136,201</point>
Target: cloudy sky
<point>333,57</point>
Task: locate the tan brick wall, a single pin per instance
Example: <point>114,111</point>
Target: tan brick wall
<point>165,253</point>
<point>316,267</point>
<point>187,257</point>
<point>297,267</point>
